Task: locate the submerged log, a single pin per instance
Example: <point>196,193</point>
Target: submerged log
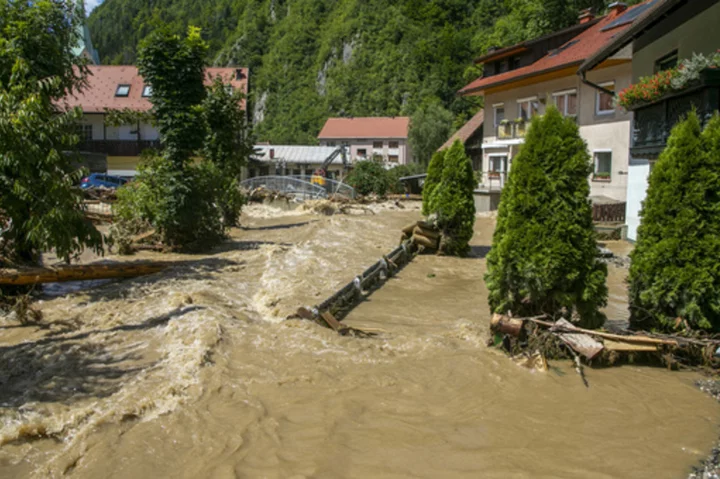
<point>425,242</point>
<point>428,232</point>
<point>408,230</point>
<point>80,272</point>
<point>505,325</point>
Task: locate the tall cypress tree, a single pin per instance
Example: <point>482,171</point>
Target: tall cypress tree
<point>433,178</point>
<point>675,275</point>
<point>543,257</point>
<point>452,200</point>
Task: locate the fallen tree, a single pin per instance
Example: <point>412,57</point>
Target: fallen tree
<point>79,272</point>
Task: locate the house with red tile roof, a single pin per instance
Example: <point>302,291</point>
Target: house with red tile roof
<point>471,135</point>
<point>383,137</point>
<point>523,80</point>
<point>117,149</point>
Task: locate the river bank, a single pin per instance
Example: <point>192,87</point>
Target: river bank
<point>193,372</point>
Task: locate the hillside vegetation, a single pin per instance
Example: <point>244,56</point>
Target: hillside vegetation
<point>311,59</point>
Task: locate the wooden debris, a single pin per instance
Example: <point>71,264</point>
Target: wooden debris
<point>80,272</point>
<point>580,342</point>
<point>425,242</point>
<point>612,345</point>
<point>531,361</point>
<point>331,321</point>
<point>408,230</point>
<point>143,236</point>
<point>505,325</point>
<point>427,232</point>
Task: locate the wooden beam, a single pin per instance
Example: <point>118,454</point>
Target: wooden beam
<point>80,272</point>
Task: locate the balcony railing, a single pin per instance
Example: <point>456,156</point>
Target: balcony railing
<point>653,121</point>
<point>512,130</point>
<point>118,147</point>
<point>493,180</point>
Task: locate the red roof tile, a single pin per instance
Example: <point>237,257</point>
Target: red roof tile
<point>372,127</point>
<point>572,53</point>
<point>103,80</point>
<point>467,130</point>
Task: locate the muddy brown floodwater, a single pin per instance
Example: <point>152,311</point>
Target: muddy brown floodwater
<point>193,373</point>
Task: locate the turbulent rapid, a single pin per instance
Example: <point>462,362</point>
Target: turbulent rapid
<point>194,372</point>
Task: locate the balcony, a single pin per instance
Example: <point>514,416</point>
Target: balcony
<point>512,130</point>
<point>653,121</point>
<point>118,147</point>
<point>493,180</point>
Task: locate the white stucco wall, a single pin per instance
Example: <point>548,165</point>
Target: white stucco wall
<point>639,170</point>
<point>700,34</point>
<point>402,151</point>
<point>606,132</point>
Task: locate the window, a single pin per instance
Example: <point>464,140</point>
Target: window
<point>666,62</point>
<point>378,145</point>
<point>605,102</point>
<point>497,163</point>
<point>603,165</point>
<point>330,143</point>
<point>147,91</point>
<point>394,144</point>
<point>362,152</point>
<point>393,158</point>
<point>122,90</point>
<point>528,108</point>
<point>499,113</point>
<point>84,132</point>
<point>566,102</point>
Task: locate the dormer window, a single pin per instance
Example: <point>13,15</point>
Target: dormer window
<point>147,91</point>
<point>122,90</point>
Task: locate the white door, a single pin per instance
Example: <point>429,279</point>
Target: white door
<point>638,173</point>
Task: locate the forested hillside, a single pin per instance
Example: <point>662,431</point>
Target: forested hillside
<point>310,59</point>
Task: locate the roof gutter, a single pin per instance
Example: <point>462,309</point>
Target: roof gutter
<point>595,85</point>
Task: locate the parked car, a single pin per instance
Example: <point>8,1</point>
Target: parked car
<point>96,180</point>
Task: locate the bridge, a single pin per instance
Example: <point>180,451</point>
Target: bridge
<point>303,187</point>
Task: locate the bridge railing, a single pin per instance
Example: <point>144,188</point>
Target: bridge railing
<point>300,186</point>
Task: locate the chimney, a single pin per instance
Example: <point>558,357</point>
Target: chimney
<point>272,153</point>
<point>617,8</point>
<point>585,16</point>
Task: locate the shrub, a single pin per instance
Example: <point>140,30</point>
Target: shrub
<point>434,176</point>
<point>453,203</point>
<point>394,175</point>
<point>674,271</point>
<point>183,206</point>
<point>543,257</point>
<point>368,177</point>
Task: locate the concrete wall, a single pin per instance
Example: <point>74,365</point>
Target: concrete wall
<point>700,34</point>
<point>639,171</point>
<point>402,152</point>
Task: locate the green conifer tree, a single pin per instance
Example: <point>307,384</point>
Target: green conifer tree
<point>674,271</point>
<point>433,178</point>
<point>452,200</point>
<point>544,255</point>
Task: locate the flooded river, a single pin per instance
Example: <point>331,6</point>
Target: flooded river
<point>193,373</point>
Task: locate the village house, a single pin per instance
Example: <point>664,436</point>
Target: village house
<point>297,160</point>
<point>117,149</point>
<point>380,137</point>
<point>471,136</point>
<point>522,80</point>
<point>666,33</point>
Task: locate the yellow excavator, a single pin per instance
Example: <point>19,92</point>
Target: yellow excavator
<point>319,175</point>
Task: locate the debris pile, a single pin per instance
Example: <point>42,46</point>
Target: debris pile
<point>537,336</point>
<point>424,235</point>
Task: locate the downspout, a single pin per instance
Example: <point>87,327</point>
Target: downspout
<point>595,85</point>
